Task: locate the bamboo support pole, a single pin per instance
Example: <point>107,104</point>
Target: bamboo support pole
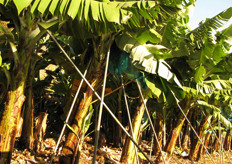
<point>101,108</point>
<point>149,118</point>
<point>129,118</point>
<point>69,114</point>
<point>177,103</point>
<point>110,112</point>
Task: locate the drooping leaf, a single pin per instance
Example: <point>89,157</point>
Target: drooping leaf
<point>174,93</point>
<point>155,36</point>
<point>53,6</point>
<point>195,93</point>
<point>211,108</point>
<point>200,72</point>
<point>43,5</point>
<point>48,24</point>
<point>126,43</point>
<point>87,120</point>
<point>22,4</point>
<point>145,60</point>
<point>72,130</point>
<point>35,5</point>
<point>63,6</point>
<point>86,10</point>
<point>154,86</point>
<point>111,13</point>
<point>228,32</point>
<point>219,53</point>
<point>95,10</point>
<point>225,122</point>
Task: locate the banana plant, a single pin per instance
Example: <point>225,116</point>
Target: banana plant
<point>22,41</point>
<point>209,95</point>
<point>205,49</point>
<point>201,55</point>
<point>148,50</point>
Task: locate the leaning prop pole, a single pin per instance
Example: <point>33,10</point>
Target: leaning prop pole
<point>149,118</point>
<point>101,108</point>
<point>129,118</point>
<point>177,103</point>
<point>108,109</point>
<point>69,114</point>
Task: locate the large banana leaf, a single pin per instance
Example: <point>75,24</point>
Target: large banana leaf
<point>217,90</point>
<point>219,87</point>
<point>223,69</point>
<point>105,15</point>
<point>87,9</point>
<point>148,58</point>
<point>224,120</point>
<point>164,91</point>
<point>204,49</point>
<point>194,93</point>
<point>206,27</point>
<point>211,109</point>
<point>143,58</point>
<point>213,90</point>
<point>216,112</point>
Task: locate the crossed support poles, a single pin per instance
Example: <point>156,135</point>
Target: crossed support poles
<point>110,112</point>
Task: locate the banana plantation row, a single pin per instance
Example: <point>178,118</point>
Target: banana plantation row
<point>115,65</point>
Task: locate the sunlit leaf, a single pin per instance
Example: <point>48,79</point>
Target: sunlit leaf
<point>35,5</point>
<point>86,10</point>
<point>200,72</point>
<point>21,4</point>
<point>72,129</point>
<point>63,6</point>
<point>53,6</point>
<point>154,86</point>
<point>95,10</point>
<point>48,24</point>
<point>43,5</point>
<point>111,13</point>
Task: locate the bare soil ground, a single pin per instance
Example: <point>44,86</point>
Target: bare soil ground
<point>106,154</point>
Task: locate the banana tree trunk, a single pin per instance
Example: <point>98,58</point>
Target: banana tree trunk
<point>216,144</point>
<point>158,130</point>
<point>177,129</point>
<point>128,152</point>
<point>207,138</point>
<point>118,135</point>
<point>206,144</point>
<point>27,138</point>
<point>196,145</point>
<point>227,142</point>
<point>186,137</point>
<point>74,142</point>
<point>159,133</point>
<point>12,110</point>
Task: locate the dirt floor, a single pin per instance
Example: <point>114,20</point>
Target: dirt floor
<point>106,154</point>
